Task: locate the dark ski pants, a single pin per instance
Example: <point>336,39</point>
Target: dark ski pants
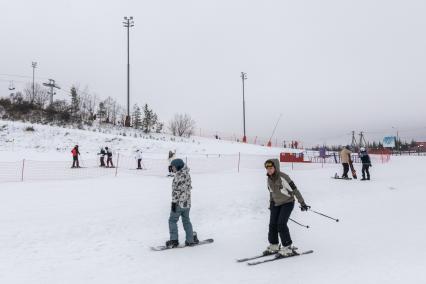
<point>139,164</point>
<point>187,226</point>
<point>366,170</point>
<point>109,162</point>
<point>102,159</point>
<point>278,224</point>
<point>75,163</point>
<point>345,170</point>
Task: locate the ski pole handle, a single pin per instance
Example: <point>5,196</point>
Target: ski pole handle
<point>337,220</point>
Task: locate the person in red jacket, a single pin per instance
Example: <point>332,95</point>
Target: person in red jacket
<point>75,153</point>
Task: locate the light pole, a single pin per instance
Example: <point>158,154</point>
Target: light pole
<point>243,78</point>
<point>34,65</point>
<point>128,23</point>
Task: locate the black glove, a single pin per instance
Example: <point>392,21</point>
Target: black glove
<point>304,207</point>
<point>271,204</point>
<point>174,207</point>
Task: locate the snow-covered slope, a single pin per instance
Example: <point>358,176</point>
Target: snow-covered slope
<point>99,230</point>
<point>52,142</point>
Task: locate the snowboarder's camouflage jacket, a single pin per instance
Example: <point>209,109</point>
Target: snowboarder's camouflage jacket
<point>181,193</point>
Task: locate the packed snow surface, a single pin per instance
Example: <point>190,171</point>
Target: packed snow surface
<point>100,230</point>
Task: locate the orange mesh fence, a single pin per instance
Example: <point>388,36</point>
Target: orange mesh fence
<point>31,170</point>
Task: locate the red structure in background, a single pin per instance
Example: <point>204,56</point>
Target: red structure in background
<point>384,151</point>
<point>292,158</point>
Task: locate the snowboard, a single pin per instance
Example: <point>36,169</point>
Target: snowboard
<point>203,242</point>
<point>337,177</point>
<point>351,165</point>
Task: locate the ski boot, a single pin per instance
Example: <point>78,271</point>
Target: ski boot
<point>172,244</point>
<point>194,242</point>
<point>286,251</point>
<point>272,249</point>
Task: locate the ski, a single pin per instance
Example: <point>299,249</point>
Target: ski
<point>203,242</point>
<point>257,256</point>
<point>279,257</point>
<point>253,257</point>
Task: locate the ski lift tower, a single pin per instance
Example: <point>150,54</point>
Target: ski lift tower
<point>52,85</point>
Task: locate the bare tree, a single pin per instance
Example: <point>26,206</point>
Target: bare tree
<point>40,96</point>
<point>182,125</point>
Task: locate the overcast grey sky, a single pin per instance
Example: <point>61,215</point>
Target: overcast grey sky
<point>328,66</point>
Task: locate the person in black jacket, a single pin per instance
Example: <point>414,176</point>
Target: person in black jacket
<point>366,163</point>
<point>109,158</point>
<point>102,154</point>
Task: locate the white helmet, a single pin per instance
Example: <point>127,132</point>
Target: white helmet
<point>362,149</point>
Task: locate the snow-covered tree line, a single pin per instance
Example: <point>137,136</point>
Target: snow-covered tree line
<point>81,107</point>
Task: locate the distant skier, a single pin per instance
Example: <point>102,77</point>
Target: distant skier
<point>75,153</point>
<point>345,159</point>
<point>282,193</point>
<point>138,157</point>
<point>366,163</point>
<point>172,156</point>
<point>109,158</point>
<point>102,154</point>
<point>181,205</point>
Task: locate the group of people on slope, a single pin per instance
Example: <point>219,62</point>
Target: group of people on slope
<point>347,163</point>
<point>106,152</point>
<point>282,191</point>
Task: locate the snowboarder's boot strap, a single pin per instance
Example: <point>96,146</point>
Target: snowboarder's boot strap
<point>271,249</point>
<point>172,244</point>
<point>196,240</point>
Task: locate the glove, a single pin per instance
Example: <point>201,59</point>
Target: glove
<point>304,207</point>
<point>174,207</point>
<point>271,204</point>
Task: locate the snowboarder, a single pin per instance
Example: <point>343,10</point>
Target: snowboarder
<point>109,158</point>
<point>181,205</point>
<point>138,157</point>
<point>102,154</point>
<point>172,156</point>
<point>282,192</point>
<point>345,159</point>
<point>75,153</point>
<point>366,163</point>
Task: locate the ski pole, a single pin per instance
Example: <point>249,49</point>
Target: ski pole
<point>337,220</point>
<point>307,227</point>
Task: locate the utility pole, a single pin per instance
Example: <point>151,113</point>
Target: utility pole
<point>52,85</point>
<point>362,142</point>
<point>353,144</point>
<point>34,65</point>
<point>128,23</point>
<point>243,78</point>
<point>397,138</point>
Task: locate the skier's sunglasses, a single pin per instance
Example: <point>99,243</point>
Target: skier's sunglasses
<point>269,165</point>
